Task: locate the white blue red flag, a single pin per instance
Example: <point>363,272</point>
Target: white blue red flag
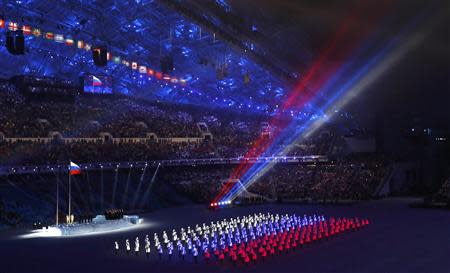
<point>96,81</point>
<point>74,169</point>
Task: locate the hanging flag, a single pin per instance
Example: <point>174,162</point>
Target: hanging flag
<point>2,23</point>
<point>159,75</point>
<point>80,44</point>
<point>109,56</point>
<point>59,38</point>
<point>36,32</point>
<point>26,30</point>
<point>87,47</point>
<point>142,69</point>
<point>12,26</point>
<point>117,60</point>
<point>49,36</point>
<point>174,80</point>
<point>183,81</point>
<point>74,169</point>
<point>134,65</point>
<point>96,81</point>
<point>166,77</point>
<point>69,41</point>
<point>150,72</point>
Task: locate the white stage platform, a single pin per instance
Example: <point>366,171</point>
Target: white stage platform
<point>98,225</point>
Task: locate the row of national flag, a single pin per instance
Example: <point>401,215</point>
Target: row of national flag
<point>59,38</point>
<point>80,44</point>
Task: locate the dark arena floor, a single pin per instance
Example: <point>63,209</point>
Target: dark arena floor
<point>398,239</point>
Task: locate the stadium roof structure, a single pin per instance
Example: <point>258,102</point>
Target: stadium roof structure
<point>220,68</point>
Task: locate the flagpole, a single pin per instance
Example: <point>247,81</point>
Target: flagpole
<point>57,201</point>
<point>70,194</point>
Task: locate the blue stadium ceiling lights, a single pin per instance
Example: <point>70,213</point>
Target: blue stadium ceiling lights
<point>224,4</point>
<point>141,31</point>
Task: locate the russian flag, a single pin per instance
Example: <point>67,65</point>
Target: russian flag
<point>74,169</point>
<point>96,81</point>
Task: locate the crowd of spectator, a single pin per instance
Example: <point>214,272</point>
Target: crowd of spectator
<point>44,86</point>
<point>89,116</point>
<point>30,154</point>
<point>443,194</point>
<point>9,214</point>
<point>288,182</point>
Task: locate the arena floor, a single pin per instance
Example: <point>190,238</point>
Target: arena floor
<point>399,239</point>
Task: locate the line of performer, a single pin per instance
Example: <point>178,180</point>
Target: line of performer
<point>244,240</point>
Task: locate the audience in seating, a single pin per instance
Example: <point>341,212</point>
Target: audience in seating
<point>286,182</point>
<point>443,194</point>
<point>122,117</point>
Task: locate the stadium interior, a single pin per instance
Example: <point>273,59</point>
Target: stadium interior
<point>224,136</point>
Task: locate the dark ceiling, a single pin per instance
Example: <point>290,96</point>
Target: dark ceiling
<point>419,85</point>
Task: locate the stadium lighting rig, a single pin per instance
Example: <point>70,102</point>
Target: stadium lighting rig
<point>220,204</point>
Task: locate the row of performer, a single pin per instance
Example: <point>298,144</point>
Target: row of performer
<point>244,239</point>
